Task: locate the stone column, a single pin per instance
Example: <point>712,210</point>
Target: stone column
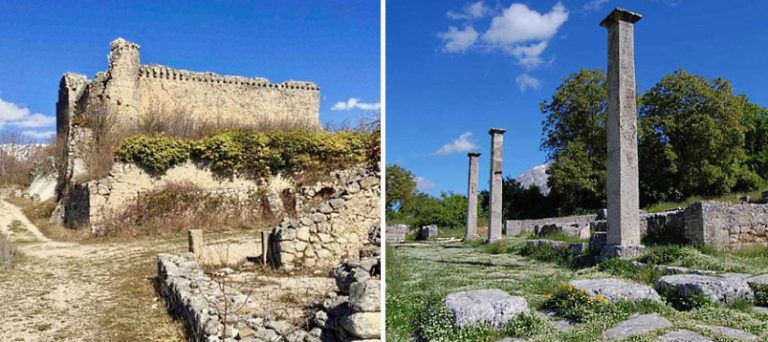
<point>623,238</point>
<point>471,230</point>
<point>196,243</point>
<point>494,208</point>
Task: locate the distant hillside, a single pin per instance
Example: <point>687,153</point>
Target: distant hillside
<point>537,175</point>
<point>20,151</point>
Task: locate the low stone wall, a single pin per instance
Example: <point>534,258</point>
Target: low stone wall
<point>517,227</point>
<point>334,230</point>
<point>668,226</point>
<point>396,233</point>
<point>726,226</point>
<point>350,314</point>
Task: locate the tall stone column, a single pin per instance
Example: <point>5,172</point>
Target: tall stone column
<point>494,214</point>
<point>623,238</point>
<point>471,230</point>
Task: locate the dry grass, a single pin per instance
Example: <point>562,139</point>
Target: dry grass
<point>178,207</point>
<point>135,316</point>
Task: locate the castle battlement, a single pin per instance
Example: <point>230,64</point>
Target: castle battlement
<point>164,72</point>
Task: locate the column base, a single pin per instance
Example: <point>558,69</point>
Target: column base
<point>622,251</point>
<point>471,237</point>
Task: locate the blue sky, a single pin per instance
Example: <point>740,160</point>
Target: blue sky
<point>457,68</point>
<point>333,43</point>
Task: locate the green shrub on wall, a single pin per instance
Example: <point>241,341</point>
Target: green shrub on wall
<point>156,153</point>
<point>251,154</point>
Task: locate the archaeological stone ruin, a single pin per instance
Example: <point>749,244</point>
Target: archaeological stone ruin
<point>471,228</point>
<point>494,208</point>
<point>129,92</point>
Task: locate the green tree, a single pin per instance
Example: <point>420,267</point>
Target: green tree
<point>692,139</point>
<point>756,138</point>
<point>575,141</point>
<point>401,189</point>
<point>448,210</point>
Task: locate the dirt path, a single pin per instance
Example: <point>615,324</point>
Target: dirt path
<point>58,291</point>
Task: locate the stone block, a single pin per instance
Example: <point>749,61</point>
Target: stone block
<point>616,290</point>
<point>493,307</point>
<point>717,289</point>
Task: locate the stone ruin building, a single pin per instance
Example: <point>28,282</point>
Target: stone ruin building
<point>129,91</point>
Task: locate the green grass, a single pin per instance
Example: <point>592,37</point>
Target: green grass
<point>419,278</point>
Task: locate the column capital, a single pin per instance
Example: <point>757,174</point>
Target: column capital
<point>473,154</point>
<point>497,131</point>
<point>620,14</point>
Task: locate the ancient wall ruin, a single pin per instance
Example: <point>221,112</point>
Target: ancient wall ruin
<point>128,93</point>
<point>130,90</point>
<point>332,231</point>
<point>726,226</point>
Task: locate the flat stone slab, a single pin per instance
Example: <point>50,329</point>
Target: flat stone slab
<point>736,334</point>
<point>726,290</point>
<point>637,325</point>
<point>758,280</point>
<point>684,336</point>
<point>616,290</point>
<point>492,306</point>
<point>760,310</point>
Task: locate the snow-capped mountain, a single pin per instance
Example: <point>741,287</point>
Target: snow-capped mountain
<point>537,175</point>
<point>21,151</point>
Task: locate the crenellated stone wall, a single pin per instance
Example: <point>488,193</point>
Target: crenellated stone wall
<point>128,92</point>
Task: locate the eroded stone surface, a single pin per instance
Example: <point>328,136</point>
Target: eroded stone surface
<point>616,290</point>
<point>637,325</point>
<point>718,289</point>
<point>493,306</point>
<point>736,334</point>
<point>684,336</point>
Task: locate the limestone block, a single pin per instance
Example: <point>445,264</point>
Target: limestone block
<point>494,307</point>
<point>616,290</point>
<point>717,289</point>
<point>637,325</point>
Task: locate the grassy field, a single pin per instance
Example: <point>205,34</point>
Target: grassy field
<point>419,278</point>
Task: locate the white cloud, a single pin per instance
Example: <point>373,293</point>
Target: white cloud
<point>13,114</point>
<point>517,30</point>
<point>423,183</point>
<point>39,135</point>
<point>594,5</point>
<point>529,56</point>
<point>525,82</point>
<point>458,40</point>
<point>35,120</point>
<point>354,103</point>
<point>520,24</point>
<point>475,10</point>
<point>460,144</point>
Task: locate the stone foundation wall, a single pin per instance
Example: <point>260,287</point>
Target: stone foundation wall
<point>516,227</point>
<point>726,226</point>
<point>332,231</point>
<point>350,314</point>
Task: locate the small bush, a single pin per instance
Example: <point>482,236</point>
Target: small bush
<point>499,247</point>
<point>576,304</point>
<point>251,154</point>
<point>7,251</point>
<point>647,274</point>
<point>761,294</point>
<point>666,254</point>
<point>156,153</point>
<point>564,257</point>
<point>684,302</point>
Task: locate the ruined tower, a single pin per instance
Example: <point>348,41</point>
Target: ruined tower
<point>122,80</point>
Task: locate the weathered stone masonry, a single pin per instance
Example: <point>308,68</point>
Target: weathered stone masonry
<point>332,231</point>
<point>129,91</point>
